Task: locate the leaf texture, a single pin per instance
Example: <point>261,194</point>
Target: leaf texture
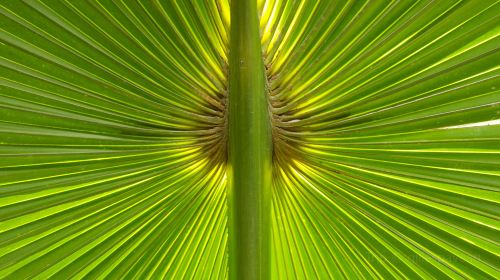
<point>377,174</point>
<point>113,132</point>
<point>112,155</point>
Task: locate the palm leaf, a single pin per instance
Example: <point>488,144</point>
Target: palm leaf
<point>113,131</point>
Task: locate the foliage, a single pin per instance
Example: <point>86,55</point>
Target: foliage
<point>113,138</point>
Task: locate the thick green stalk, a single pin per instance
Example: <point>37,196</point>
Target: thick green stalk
<point>250,148</point>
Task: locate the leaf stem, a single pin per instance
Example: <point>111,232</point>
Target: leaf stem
<point>250,148</point>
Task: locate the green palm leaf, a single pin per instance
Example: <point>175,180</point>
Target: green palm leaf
<point>384,125</point>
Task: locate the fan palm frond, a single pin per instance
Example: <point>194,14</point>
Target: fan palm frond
<point>384,122</point>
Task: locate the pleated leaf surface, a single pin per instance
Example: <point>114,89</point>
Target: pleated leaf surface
<point>385,128</point>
